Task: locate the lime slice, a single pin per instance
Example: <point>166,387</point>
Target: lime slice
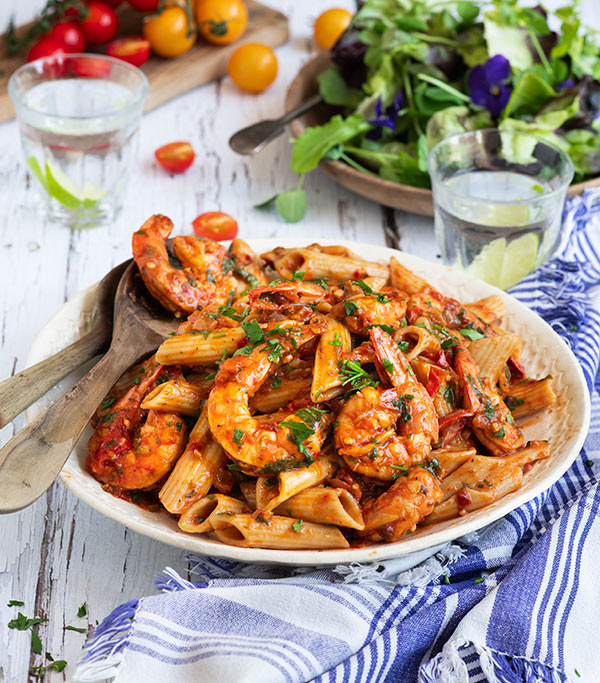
<point>520,259</point>
<point>36,169</point>
<point>503,266</point>
<point>92,194</point>
<point>62,188</point>
<point>487,265</point>
<point>506,215</point>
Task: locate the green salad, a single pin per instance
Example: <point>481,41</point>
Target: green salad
<point>407,73</point>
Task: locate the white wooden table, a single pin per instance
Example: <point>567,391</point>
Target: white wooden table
<point>59,552</point>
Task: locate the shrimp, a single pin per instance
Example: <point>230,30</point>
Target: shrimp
<point>492,422</point>
<point>383,430</point>
<point>399,509</point>
<point>384,307</point>
<point>256,443</point>
<point>200,281</point>
<point>284,294</point>
<point>130,453</point>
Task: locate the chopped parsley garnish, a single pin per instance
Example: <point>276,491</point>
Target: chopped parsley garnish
<point>250,279</point>
<point>75,628</point>
<point>388,366</point>
<point>298,275</point>
<point>238,435</point>
<point>385,328</point>
<point>513,402</point>
<point>353,373</point>
<point>489,411</point>
<point>364,286</point>
<point>402,471</point>
<point>253,331</point>
<point>500,433</point>
<point>15,603</point>
<point>350,307</point>
<point>112,442</point>
<point>321,282</point>
<point>297,525</point>
<point>107,403</point>
<point>276,383</point>
<point>402,404</point>
<point>285,465</point>
<point>179,425</point>
<point>230,312</point>
<point>228,266</point>
<point>589,463</point>
<point>449,394</point>
<point>336,340</point>
<point>210,277</point>
<point>471,333</point>
<point>479,579</point>
<point>448,343</point>
<point>510,419</point>
<point>432,466</point>
<point>446,579</point>
<point>312,416</point>
<point>23,623</point>
<point>403,346</point>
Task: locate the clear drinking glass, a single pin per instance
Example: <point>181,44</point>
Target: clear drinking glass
<point>498,199</point>
<point>79,116</point>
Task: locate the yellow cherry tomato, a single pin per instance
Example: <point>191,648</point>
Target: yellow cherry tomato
<point>167,32</point>
<point>253,67</point>
<point>221,21</point>
<point>330,25</point>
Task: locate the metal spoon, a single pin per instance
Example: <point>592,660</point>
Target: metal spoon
<point>20,391</point>
<point>32,459</point>
<point>252,139</point>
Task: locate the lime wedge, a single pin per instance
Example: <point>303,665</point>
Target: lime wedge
<point>36,169</point>
<point>487,265</point>
<point>504,265</point>
<point>62,188</point>
<point>92,194</point>
<point>520,259</point>
<point>506,215</point>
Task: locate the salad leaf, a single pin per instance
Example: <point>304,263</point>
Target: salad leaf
<point>454,120</point>
<point>530,94</point>
<point>504,39</point>
<point>348,55</point>
<point>291,205</point>
<point>334,90</point>
<point>315,142</point>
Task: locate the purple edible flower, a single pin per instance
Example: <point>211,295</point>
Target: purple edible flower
<point>566,84</point>
<point>388,117</point>
<point>487,84</point>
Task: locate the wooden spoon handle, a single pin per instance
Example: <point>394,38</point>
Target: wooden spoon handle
<point>20,391</point>
<point>32,459</point>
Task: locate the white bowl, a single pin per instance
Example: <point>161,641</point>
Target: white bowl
<point>544,352</point>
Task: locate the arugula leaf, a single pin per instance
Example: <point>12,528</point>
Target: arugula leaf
<point>530,94</point>
<point>291,205</point>
<point>314,143</point>
<point>334,90</point>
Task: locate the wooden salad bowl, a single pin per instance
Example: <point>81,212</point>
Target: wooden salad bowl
<point>386,192</point>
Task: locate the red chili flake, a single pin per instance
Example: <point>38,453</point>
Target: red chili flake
<point>463,498</point>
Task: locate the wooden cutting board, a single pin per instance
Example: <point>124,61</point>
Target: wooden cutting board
<point>170,78</point>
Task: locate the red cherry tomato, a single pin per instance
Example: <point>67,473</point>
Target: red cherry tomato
<point>132,49</point>
<point>88,67</point>
<point>45,47</point>
<point>101,24</point>
<point>144,5</point>
<point>68,34</point>
<point>175,157</point>
<point>215,225</point>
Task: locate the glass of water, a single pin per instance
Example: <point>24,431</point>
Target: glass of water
<point>498,199</point>
<point>79,117</point>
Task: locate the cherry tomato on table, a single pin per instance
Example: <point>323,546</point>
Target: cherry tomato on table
<point>175,157</point>
<point>253,67</point>
<point>221,21</point>
<point>168,32</point>
<point>131,49</point>
<point>215,225</point>
<point>144,5</point>
<point>45,47</point>
<point>330,25</point>
<point>101,24</point>
<point>69,34</point>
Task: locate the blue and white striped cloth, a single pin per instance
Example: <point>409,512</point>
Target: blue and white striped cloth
<point>532,618</point>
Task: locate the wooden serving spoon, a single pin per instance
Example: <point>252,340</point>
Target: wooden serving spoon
<point>24,389</point>
<point>32,459</point>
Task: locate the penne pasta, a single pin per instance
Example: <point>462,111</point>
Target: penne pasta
<point>176,396</point>
<point>320,264</point>
<point>204,347</point>
<point>248,489</point>
<point>404,279</point>
<point>326,505</point>
<point>274,490</point>
<point>246,531</point>
<point>491,354</point>
<point>529,396</point>
<point>423,340</point>
<point>271,397</point>
<point>195,471</point>
<point>210,513</point>
<point>326,380</point>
